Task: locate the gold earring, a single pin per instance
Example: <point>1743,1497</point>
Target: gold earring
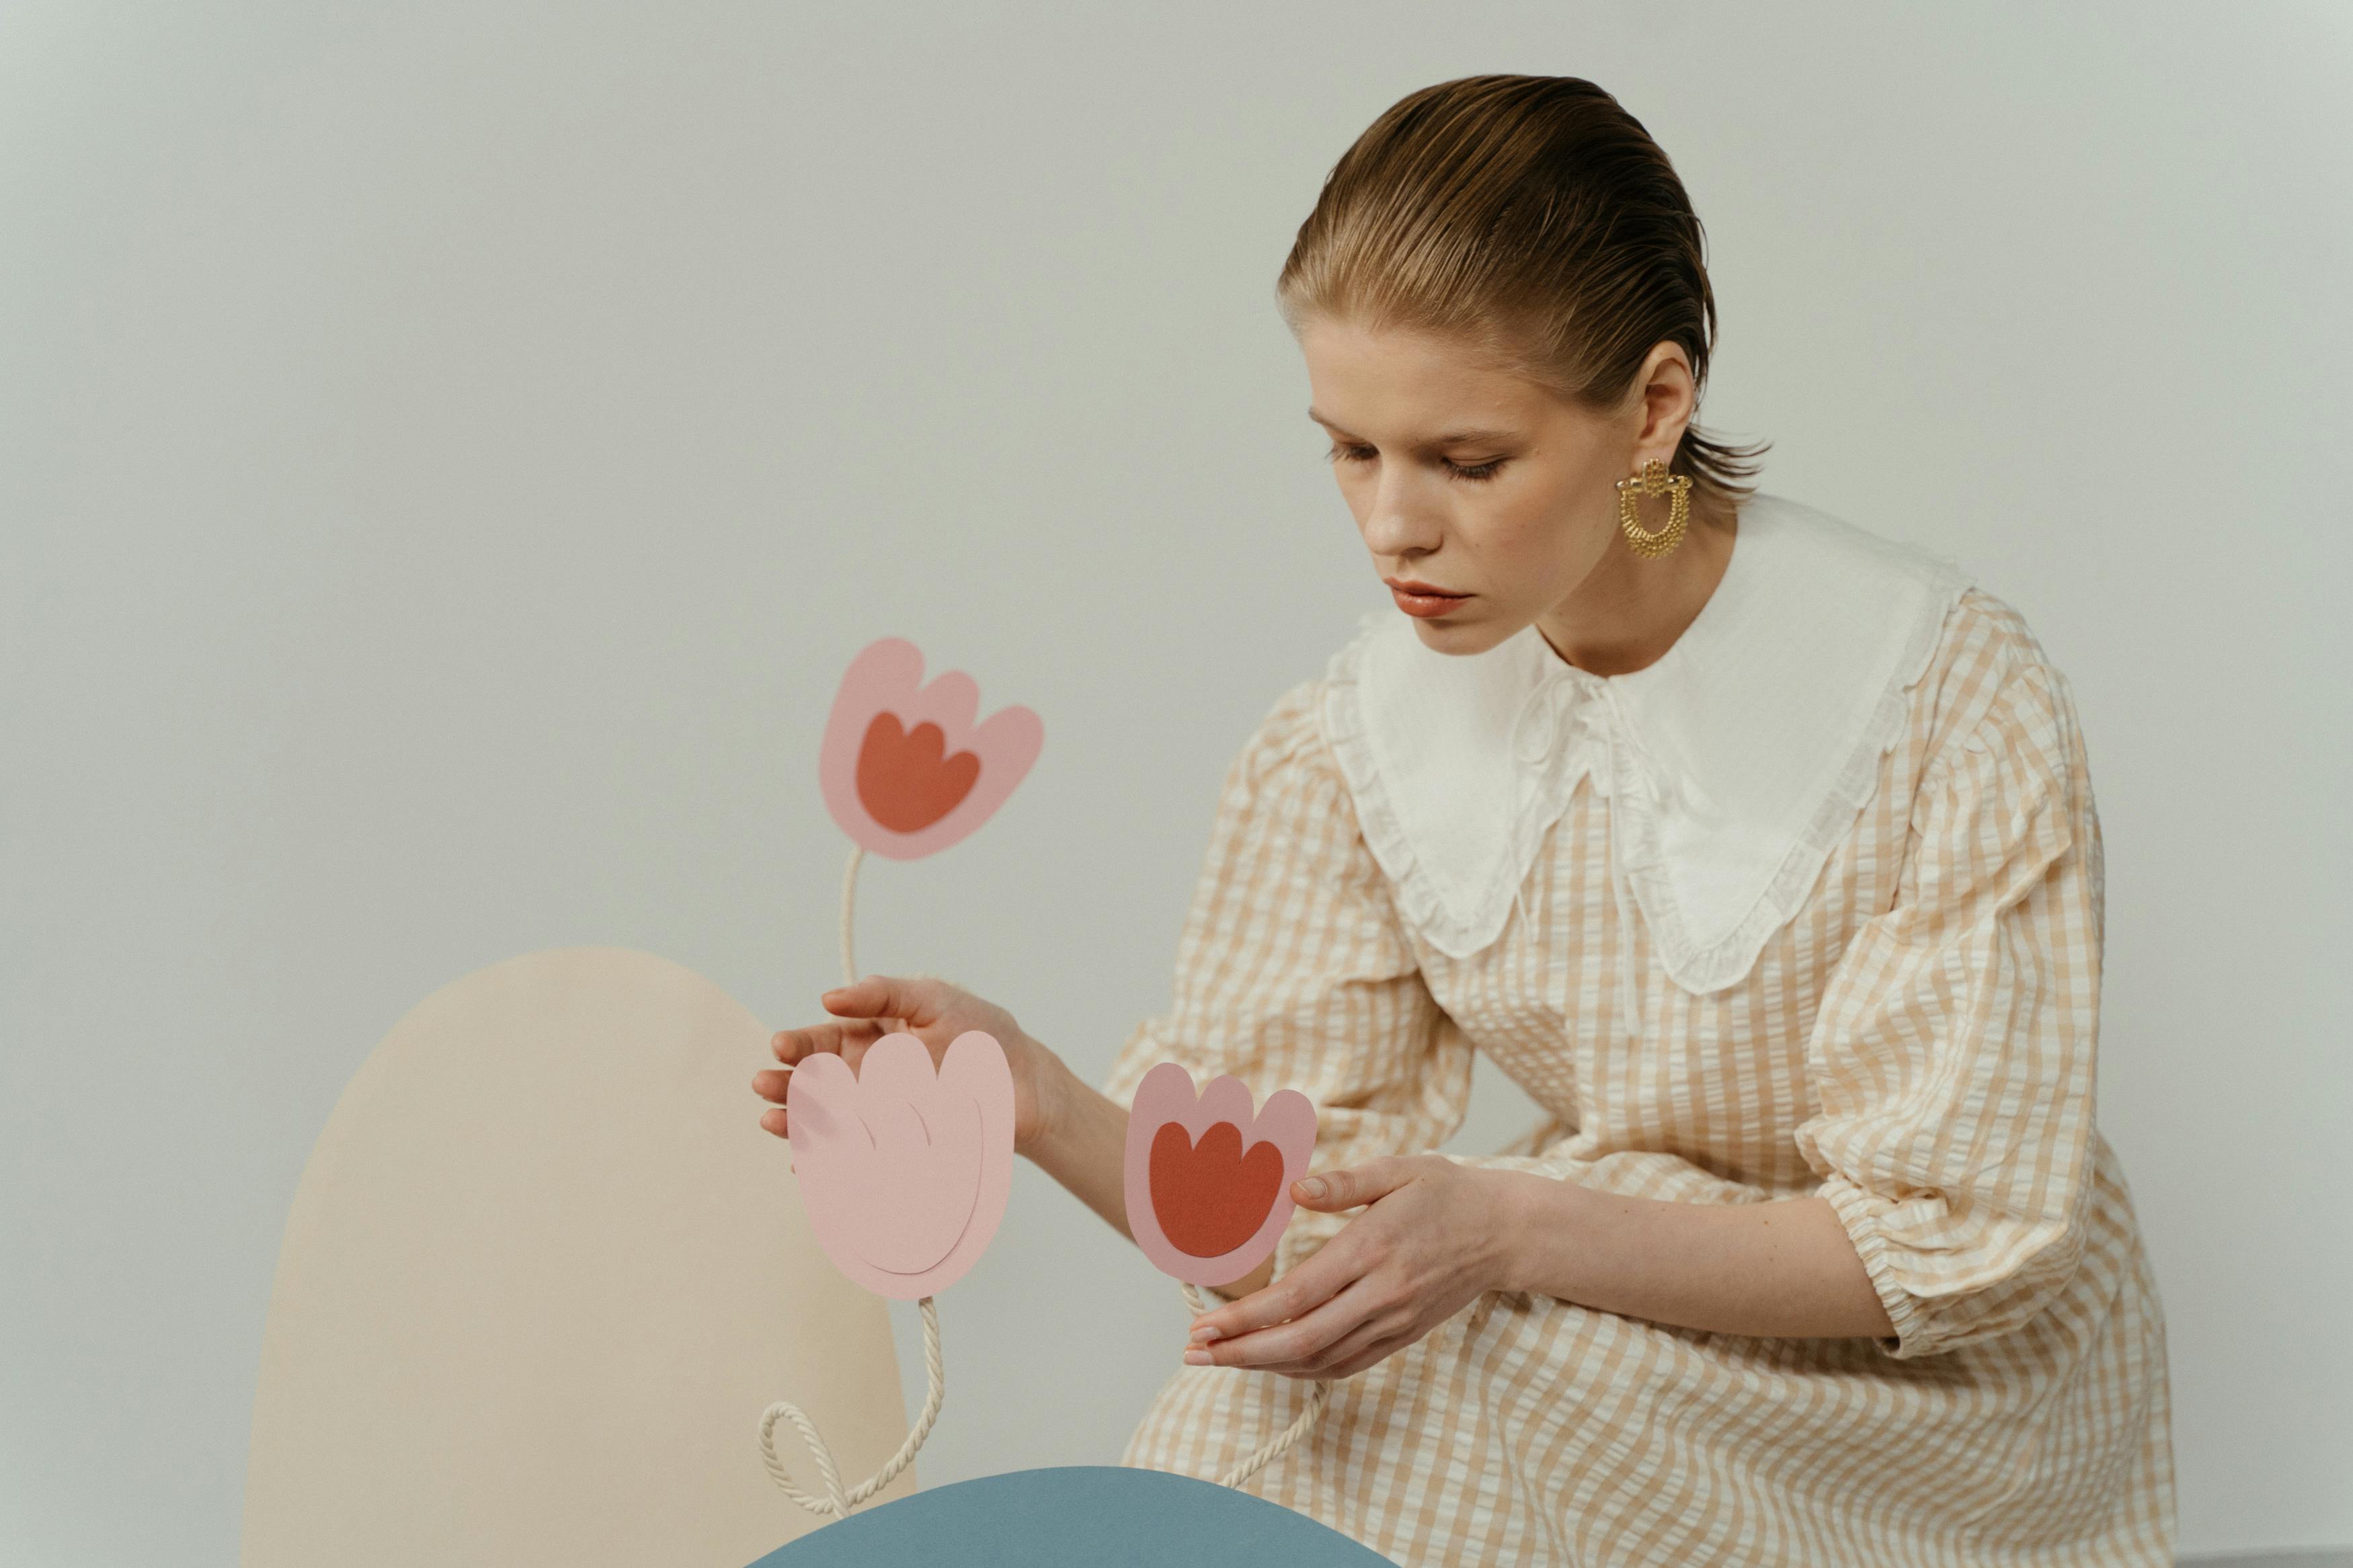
<point>1654,481</point>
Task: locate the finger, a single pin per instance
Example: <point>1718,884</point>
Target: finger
<point>1296,1342</point>
<point>1354,1343</point>
<point>913,999</point>
<point>774,1121</point>
<point>1352,1186</point>
<point>1380,1335</point>
<point>773,1083</point>
<point>1353,1354</point>
<point>1331,1270</point>
<point>792,1045</point>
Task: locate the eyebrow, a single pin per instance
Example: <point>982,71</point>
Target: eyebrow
<point>1450,438</point>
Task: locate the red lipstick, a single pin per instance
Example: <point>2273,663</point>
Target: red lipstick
<point>1427,600</point>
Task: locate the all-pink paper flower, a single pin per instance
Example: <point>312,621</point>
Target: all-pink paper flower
<point>1207,1179</point>
<point>906,771</point>
<point>904,1171</point>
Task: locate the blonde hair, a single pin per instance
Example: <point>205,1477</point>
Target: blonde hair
<point>1531,218</point>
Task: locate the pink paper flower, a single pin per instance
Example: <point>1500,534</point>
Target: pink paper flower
<point>905,1171</point>
<point>1209,1181</point>
<point>904,769</point>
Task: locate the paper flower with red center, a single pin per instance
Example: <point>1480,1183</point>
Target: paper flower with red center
<point>1208,1177</point>
<point>906,1171</point>
<point>904,769</point>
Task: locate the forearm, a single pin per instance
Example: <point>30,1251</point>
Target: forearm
<point>1781,1269</point>
<point>1082,1144</point>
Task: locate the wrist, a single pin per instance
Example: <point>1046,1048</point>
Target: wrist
<point>1535,1217</point>
<point>1051,1080</point>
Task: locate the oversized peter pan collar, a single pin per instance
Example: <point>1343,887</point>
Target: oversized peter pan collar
<point>1734,764</point>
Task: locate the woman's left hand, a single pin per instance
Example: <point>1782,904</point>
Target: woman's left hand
<point>1435,1236</point>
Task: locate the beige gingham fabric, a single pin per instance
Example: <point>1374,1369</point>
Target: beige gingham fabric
<point>1917,1046</point>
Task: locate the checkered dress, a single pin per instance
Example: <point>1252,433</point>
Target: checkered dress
<point>1916,1046</point>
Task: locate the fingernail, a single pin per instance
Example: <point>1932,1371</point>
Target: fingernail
<point>1313,1186</point>
<point>1196,1358</point>
<point>1204,1334</point>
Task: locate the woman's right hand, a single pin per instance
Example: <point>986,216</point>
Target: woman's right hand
<point>933,1010</point>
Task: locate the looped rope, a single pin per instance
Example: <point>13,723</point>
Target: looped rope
<point>837,1503</point>
<point>1317,1398</point>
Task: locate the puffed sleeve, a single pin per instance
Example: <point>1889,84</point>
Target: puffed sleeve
<point>1295,972</point>
<point>1953,1056</point>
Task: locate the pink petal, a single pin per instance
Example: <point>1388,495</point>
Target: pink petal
<point>885,677</point>
<point>905,1171</point>
<point>1165,1095</point>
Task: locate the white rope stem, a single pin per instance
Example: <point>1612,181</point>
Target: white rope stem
<point>837,1503</point>
<point>1317,1398</point>
<point>849,902</point>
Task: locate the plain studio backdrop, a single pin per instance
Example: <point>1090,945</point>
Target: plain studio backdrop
<point>449,454</point>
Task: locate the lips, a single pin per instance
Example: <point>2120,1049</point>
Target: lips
<point>1422,601</point>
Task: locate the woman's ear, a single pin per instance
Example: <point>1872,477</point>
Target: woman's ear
<point>1670,396</point>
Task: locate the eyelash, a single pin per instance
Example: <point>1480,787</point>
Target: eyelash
<point>1477,472</point>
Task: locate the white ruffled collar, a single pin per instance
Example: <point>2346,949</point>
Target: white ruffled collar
<point>1734,764</point>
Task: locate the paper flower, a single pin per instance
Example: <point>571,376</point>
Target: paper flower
<point>904,769</point>
<point>1209,1180</point>
<point>906,1171</point>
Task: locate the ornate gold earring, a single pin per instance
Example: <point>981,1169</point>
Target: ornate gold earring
<point>1654,481</point>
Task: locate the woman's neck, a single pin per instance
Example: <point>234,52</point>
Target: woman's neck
<point>1629,612</point>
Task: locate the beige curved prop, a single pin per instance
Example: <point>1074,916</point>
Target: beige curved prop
<point>543,1274</point>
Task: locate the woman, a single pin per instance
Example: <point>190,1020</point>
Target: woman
<point>1759,850</point>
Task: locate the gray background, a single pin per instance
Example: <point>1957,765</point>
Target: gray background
<point>448,456</point>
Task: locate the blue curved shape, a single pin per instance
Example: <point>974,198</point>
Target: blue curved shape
<point>1074,1516</point>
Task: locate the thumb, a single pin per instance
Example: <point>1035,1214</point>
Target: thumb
<point>1349,1186</point>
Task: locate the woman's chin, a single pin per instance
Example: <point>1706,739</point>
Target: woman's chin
<point>1459,632</point>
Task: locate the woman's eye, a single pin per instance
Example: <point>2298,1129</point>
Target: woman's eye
<point>1475,471</point>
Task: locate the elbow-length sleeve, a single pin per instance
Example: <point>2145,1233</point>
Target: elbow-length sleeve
<point>1952,1059</point>
<point>1294,970</point>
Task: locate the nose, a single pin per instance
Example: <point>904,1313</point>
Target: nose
<point>1400,520</point>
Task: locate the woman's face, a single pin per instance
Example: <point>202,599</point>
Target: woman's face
<point>1474,481</point>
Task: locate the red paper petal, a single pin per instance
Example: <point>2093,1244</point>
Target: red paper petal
<point>903,781</point>
<point>1210,1197</point>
